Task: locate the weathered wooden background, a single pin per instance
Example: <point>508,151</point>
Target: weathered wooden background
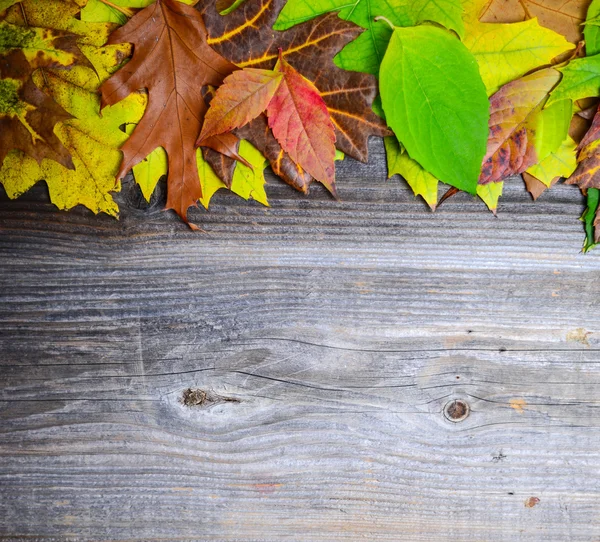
<point>323,341</point>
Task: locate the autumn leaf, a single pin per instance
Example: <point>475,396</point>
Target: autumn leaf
<point>27,115</point>
<point>366,52</point>
<point>563,16</point>
<point>515,112</point>
<point>587,174</point>
<point>91,139</point>
<point>245,38</point>
<point>42,47</point>
<point>433,98</point>
<point>261,136</point>
<point>505,52</point>
<point>422,182</point>
<point>300,122</point>
<point>242,97</point>
<point>248,181</point>
<point>62,15</point>
<point>172,61</point>
<point>534,186</point>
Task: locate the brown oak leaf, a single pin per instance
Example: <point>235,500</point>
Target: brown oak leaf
<point>245,37</point>
<point>172,60</point>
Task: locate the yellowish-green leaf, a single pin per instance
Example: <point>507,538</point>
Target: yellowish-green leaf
<point>247,182</point>
<point>490,194</point>
<point>115,11</point>
<point>250,182</point>
<point>422,182</point>
<point>58,15</point>
<point>5,4</point>
<point>42,47</point>
<point>552,128</point>
<point>148,172</point>
<point>561,163</point>
<point>93,142</point>
<point>505,52</point>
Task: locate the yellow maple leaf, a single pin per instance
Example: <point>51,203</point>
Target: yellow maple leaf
<point>92,140</point>
<point>505,52</point>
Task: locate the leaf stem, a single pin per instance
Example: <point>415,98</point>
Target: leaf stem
<point>124,11</point>
<point>382,18</point>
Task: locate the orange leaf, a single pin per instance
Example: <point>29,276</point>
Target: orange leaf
<point>243,96</point>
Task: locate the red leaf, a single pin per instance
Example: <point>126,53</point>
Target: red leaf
<point>301,124</point>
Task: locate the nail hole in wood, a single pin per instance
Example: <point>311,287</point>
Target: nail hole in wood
<point>456,410</point>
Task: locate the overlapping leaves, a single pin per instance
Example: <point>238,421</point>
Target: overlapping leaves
<point>474,91</point>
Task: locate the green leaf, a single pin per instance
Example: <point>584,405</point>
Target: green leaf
<point>591,30</point>
<point>366,53</point>
<point>436,103</point>
<point>423,184</point>
<point>148,172</point>
<point>589,216</point>
<point>581,79</point>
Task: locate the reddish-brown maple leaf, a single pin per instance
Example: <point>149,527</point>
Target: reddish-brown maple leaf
<point>172,60</point>
<point>513,112</point>
<point>262,138</point>
<point>296,113</point>
<point>246,38</point>
<point>27,115</point>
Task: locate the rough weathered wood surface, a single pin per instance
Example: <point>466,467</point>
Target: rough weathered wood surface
<point>323,341</point>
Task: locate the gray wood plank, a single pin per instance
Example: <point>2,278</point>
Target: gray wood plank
<point>324,341</point>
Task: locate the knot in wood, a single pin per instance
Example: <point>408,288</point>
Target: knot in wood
<point>456,410</point>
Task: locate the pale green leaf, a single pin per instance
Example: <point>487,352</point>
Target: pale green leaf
<point>422,183</point>
<point>490,194</point>
<point>561,163</point>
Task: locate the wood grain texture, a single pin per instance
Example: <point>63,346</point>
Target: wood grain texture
<point>326,338</point>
